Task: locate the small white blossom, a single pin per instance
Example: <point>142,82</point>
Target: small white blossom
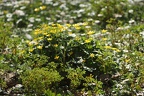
<point>37,19</point>
<point>142,33</point>
<point>28,36</point>
<point>19,13</point>
<point>9,15</point>
<point>130,11</point>
<point>117,15</point>
<point>100,15</point>
<point>97,21</point>
<point>30,25</point>
<point>31,19</point>
<point>61,47</point>
<point>72,35</point>
<point>131,21</point>
<point>18,85</point>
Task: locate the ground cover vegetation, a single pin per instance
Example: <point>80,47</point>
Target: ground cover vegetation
<point>72,47</point>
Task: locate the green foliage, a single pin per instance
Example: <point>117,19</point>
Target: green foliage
<point>76,76</point>
<point>50,93</point>
<point>5,33</point>
<point>38,80</point>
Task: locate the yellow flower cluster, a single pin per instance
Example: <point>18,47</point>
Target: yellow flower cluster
<point>52,31</point>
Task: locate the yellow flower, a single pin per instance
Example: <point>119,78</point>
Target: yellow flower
<point>37,31</point>
<point>27,41</point>
<point>56,57</point>
<point>55,45</point>
<point>77,26</point>
<point>39,47</point>
<point>36,9</point>
<point>48,35</point>
<point>68,25</point>
<point>88,40</point>
<point>103,31</point>
<point>53,31</point>
<point>85,23</point>
<point>104,39</point>
<point>40,38</point>
<point>118,50</point>
<point>63,29</point>
<point>31,50</point>
<point>127,60</point>
<point>30,44</point>
<point>49,39</point>
<point>113,48</point>
<point>44,33</point>
<point>92,55</point>
<point>90,32</point>
<point>42,7</point>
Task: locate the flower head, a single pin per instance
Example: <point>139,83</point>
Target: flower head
<point>103,31</point>
<point>90,32</point>
<point>39,47</point>
<point>92,55</point>
<point>56,57</point>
